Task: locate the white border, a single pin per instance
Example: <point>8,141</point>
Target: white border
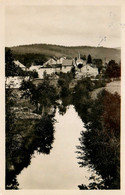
<point>4,3</point>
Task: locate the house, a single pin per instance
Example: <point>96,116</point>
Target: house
<point>17,63</point>
<point>67,62</point>
<point>60,60</point>
<point>86,69</point>
<point>51,62</point>
<point>67,65</point>
<point>80,61</point>
<point>89,71</point>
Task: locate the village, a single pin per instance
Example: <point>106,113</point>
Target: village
<point>65,65</point>
<point>52,67</point>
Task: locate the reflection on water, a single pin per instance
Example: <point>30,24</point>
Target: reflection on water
<point>59,169</point>
<point>28,136</point>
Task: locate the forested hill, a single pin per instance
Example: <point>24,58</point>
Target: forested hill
<point>49,50</point>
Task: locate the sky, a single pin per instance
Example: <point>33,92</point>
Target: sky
<point>63,25</point>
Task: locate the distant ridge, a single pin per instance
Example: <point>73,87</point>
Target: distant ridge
<point>50,50</point>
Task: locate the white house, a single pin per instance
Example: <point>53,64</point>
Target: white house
<point>89,71</point>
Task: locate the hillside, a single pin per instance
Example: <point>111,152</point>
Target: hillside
<point>48,50</point>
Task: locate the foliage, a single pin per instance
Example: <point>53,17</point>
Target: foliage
<point>23,137</point>
<point>83,86</point>
<point>98,64</point>
<point>47,94</point>
<point>100,144</point>
<point>99,83</point>
<point>31,58</point>
<point>11,181</point>
<point>89,59</point>
<point>81,97</point>
<point>11,69</point>
<point>73,71</point>
<point>63,82</point>
<point>83,57</point>
<point>33,74</point>
<point>44,94</point>
<point>113,69</point>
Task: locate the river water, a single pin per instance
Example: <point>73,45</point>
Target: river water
<point>59,169</point>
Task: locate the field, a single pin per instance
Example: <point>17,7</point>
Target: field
<point>112,87</point>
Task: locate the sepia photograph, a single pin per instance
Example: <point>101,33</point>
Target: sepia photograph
<point>62,97</point>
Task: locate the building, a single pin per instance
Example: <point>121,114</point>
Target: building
<point>51,62</point>
<point>79,61</point>
<point>67,65</point>
<point>60,60</point>
<point>88,71</point>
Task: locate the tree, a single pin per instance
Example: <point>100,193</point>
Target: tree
<point>10,67</point>
<point>63,82</point>
<point>42,96</point>
<point>113,69</point>
<point>98,64</point>
<point>83,57</point>
<point>30,92</point>
<point>89,59</point>
<point>73,70</point>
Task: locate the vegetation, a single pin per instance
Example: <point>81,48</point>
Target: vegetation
<point>11,69</point>
<point>100,144</point>
<point>113,69</point>
<point>89,59</point>
<point>42,96</point>
<point>23,137</point>
<point>31,58</point>
<point>64,82</point>
<point>81,97</point>
<point>83,57</point>
<point>98,64</point>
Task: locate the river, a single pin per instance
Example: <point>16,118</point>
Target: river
<point>59,169</point>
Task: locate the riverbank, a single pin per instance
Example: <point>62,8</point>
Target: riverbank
<point>30,124</point>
